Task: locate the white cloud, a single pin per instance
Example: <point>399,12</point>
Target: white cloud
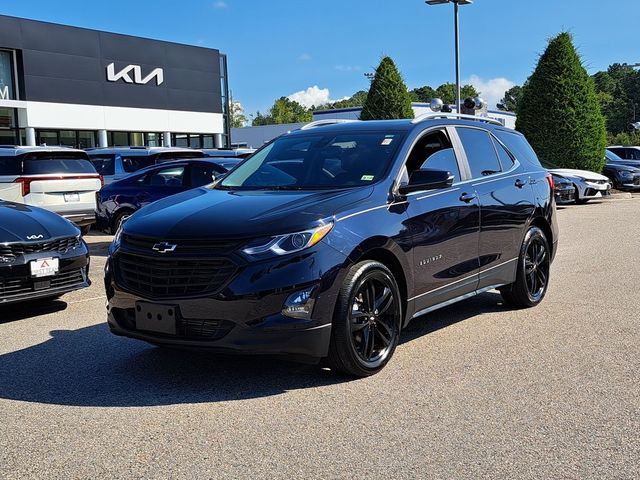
<point>347,68</point>
<point>220,4</point>
<point>305,57</point>
<point>311,96</point>
<point>492,90</point>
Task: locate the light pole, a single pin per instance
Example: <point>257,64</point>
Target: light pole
<point>456,20</point>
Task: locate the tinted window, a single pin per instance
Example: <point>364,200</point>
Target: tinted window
<point>444,160</point>
<point>505,158</point>
<point>135,163</point>
<point>56,163</point>
<point>204,174</point>
<point>518,145</point>
<point>166,156</point>
<point>317,161</point>
<point>10,166</point>
<point>166,177</point>
<point>104,164</point>
<point>480,152</point>
<point>633,154</point>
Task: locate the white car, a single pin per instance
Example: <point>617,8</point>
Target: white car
<point>588,185</point>
<point>62,180</point>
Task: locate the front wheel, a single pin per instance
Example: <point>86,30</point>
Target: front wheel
<point>532,277</point>
<point>366,323</point>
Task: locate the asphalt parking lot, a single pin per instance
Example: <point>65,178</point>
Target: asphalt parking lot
<point>474,390</point>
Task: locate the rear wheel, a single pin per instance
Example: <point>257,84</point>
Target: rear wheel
<point>580,201</point>
<point>532,277</point>
<point>366,323</point>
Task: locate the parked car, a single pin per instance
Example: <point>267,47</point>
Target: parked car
<point>587,185</point>
<point>114,163</point>
<point>328,241</point>
<point>120,199</point>
<point>42,255</point>
<point>563,190</point>
<point>229,152</point>
<point>59,179</point>
<point>624,174</point>
<point>626,152</point>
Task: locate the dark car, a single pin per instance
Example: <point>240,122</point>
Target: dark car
<point>624,174</point>
<point>120,199</point>
<point>626,152</point>
<point>326,242</point>
<point>42,255</point>
<point>114,163</point>
<point>563,189</point>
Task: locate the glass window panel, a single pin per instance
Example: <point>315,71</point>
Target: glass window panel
<point>154,139</point>
<point>207,141</point>
<point>46,137</point>
<point>480,152</point>
<point>137,139</point>
<point>6,76</point>
<point>181,140</point>
<point>7,118</point>
<point>68,138</point>
<point>8,137</point>
<point>86,139</point>
<point>119,139</point>
<point>194,141</point>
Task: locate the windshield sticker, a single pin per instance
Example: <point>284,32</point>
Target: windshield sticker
<point>367,178</point>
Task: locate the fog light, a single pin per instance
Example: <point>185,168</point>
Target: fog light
<point>300,304</point>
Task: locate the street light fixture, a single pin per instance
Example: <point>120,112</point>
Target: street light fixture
<point>456,5</point>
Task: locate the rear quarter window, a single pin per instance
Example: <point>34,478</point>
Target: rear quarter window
<point>104,164</point>
<point>518,146</point>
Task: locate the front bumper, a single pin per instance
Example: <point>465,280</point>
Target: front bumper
<point>245,316</point>
<point>17,285</point>
<point>592,190</point>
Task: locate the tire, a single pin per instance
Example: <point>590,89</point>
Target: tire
<point>365,332</point>
<point>85,229</point>
<point>580,201</point>
<point>117,219</point>
<point>532,276</point>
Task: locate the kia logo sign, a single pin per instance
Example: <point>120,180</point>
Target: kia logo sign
<point>136,71</point>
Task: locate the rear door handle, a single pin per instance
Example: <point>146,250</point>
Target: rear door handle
<point>468,197</point>
<point>520,183</point>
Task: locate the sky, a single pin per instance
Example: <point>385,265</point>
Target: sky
<point>319,51</point>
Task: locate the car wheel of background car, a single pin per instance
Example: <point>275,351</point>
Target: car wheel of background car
<point>580,201</point>
<point>118,218</point>
<point>85,229</point>
<point>532,277</point>
<point>366,323</point>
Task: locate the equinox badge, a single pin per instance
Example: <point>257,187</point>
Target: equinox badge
<point>164,247</point>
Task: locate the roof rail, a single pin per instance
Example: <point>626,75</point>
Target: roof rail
<point>462,116</point>
<point>329,121</point>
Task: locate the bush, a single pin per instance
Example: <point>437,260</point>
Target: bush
<point>388,97</point>
<point>625,139</point>
<point>559,111</point>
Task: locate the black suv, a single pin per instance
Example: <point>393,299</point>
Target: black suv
<point>330,239</point>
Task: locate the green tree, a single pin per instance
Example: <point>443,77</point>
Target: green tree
<point>283,111</point>
<point>423,94</point>
<point>618,91</point>
<point>559,112</point>
<point>510,100</point>
<point>238,118</point>
<point>356,100</point>
<point>447,92</point>
<point>388,97</point>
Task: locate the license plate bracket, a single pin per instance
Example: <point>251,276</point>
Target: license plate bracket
<point>72,197</point>
<point>44,267</point>
<point>153,317</point>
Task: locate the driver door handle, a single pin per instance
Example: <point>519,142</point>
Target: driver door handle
<point>468,197</point>
<point>519,183</point>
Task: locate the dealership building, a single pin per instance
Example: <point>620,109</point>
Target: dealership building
<point>62,85</point>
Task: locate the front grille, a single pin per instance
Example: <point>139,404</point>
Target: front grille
<point>191,246</point>
<point>186,328</point>
<point>14,250</point>
<point>16,287</point>
<point>155,277</point>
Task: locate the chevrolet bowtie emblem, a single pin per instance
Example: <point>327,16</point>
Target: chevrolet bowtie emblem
<point>164,247</point>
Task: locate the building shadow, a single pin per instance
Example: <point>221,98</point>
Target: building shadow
<point>92,367</point>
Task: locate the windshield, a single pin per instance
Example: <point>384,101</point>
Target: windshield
<point>317,161</point>
<point>56,163</point>
<point>104,164</point>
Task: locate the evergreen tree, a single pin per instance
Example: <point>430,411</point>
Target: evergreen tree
<point>388,97</point>
<point>559,111</point>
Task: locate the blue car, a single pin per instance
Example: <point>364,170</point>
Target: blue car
<point>114,163</point>
<point>122,198</point>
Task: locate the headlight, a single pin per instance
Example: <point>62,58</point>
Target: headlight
<point>626,174</point>
<point>289,243</point>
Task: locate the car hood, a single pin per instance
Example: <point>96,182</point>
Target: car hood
<point>23,223</point>
<point>207,213</point>
<point>568,172</point>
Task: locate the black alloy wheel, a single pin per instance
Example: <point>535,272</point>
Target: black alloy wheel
<point>532,276</point>
<point>366,326</point>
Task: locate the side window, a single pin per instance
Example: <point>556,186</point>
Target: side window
<point>203,175</point>
<point>506,161</point>
<point>481,154</point>
<point>105,164</point>
<point>135,163</point>
<point>633,154</point>
<point>166,177</point>
<point>434,151</point>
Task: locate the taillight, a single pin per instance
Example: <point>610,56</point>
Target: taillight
<point>26,181</point>
<point>551,182</point>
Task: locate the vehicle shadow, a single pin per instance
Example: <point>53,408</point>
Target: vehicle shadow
<point>99,249</point>
<point>92,367</point>
<point>21,311</point>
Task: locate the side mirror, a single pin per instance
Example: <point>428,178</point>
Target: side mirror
<point>427,179</point>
